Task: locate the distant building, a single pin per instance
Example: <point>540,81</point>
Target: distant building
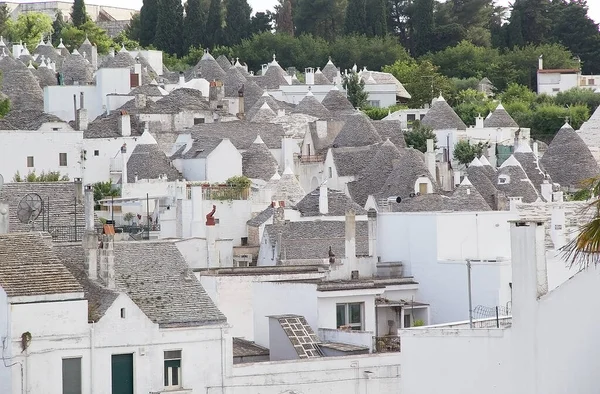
<point>553,81</point>
<point>98,13</point>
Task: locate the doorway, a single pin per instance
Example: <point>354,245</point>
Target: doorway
<point>122,373</point>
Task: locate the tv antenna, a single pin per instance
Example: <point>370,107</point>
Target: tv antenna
<point>29,209</point>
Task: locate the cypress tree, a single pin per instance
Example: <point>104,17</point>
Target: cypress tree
<point>194,24</point>
<point>78,14</point>
<point>148,17</point>
<point>377,17</point>
<point>356,17</point>
<point>58,25</point>
<point>237,21</point>
<point>169,26</point>
<point>4,18</point>
<point>283,18</point>
<point>214,24</point>
<point>423,27</point>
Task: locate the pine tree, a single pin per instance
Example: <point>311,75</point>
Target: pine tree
<point>148,18</point>
<point>423,26</point>
<point>377,17</point>
<point>283,20</point>
<point>214,24</point>
<point>356,17</point>
<point>237,21</point>
<point>57,26</point>
<point>78,14</point>
<point>355,88</point>
<point>169,26</point>
<point>194,24</point>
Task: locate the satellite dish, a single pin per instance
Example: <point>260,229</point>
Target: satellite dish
<point>30,207</point>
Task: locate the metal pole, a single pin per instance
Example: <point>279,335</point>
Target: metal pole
<point>112,209</point>
<point>148,214</point>
<point>497,319</point>
<point>75,240</point>
<point>470,299</point>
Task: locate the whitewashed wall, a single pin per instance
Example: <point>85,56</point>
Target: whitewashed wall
<point>224,162</point>
<point>327,301</point>
<point>5,348</point>
<point>547,82</point>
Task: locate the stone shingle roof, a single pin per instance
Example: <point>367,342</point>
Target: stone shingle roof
<point>499,118</point>
<point>148,90</point>
<point>351,161</point>
<point>287,189</point>
<point>321,79</point>
<point>26,119</point>
<point>466,197</point>
<point>6,125</point>
<point>147,161</point>
<point>29,267</point>
<point>480,180</point>
<point>252,93</point>
<point>311,239</point>
<point>405,173</point>
<point>107,126</point>
<point>45,76</point>
<point>433,202</point>
<point>568,160</point>
<point>392,130</point>
<point>513,181</point>
<point>224,62</point>
<point>209,69</point>
<point>533,168</point>
<point>386,78</point>
<point>264,115</point>
<point>338,204</point>
<point>274,77</point>
<point>357,131</point>
<point>77,71</point>
<point>201,147</point>
<point>262,217</point>
<point>47,51</point>
<point>330,70</point>
<point>99,297</point>
<point>86,47</point>
<point>336,101</point>
<point>156,277</point>
<point>233,81</point>
<point>374,175</point>
<point>182,99</point>
<point>487,167</point>
<point>242,133</point>
<point>442,117</point>
<point>20,85</point>
<point>258,162</point>
<point>264,98</point>
<point>309,105</point>
<point>244,348</point>
<point>590,130</point>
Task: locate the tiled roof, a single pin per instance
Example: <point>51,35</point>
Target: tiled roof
<point>392,130</point>
<point>351,161</point>
<point>301,336</point>
<point>147,161</point>
<point>405,173</point>
<point>107,126</point>
<point>338,204</point>
<point>288,188</point>
<point>374,175</point>
<point>568,160</point>
<point>99,297</point>
<point>499,118</point>
<point>29,267</point>
<point>258,162</point>
<point>245,348</point>
<point>531,165</point>
<point>24,119</point>
<point>518,184</point>
<point>262,217</point>
<point>233,81</point>
<point>442,117</point>
<point>483,184</point>
<point>59,203</point>
<point>357,131</point>
<point>45,76</point>
<point>223,62</point>
<point>336,101</point>
<point>309,105</point>
<point>309,240</point>
<point>77,71</point>
<point>241,133</point>
<point>156,277</point>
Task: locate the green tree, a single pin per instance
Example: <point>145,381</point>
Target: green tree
<point>355,89</point>
<point>423,26</point>
<point>356,17</point>
<point>58,26</point>
<point>237,21</point>
<point>194,24</point>
<point>284,22</point>
<point>214,24</point>
<point>4,18</point>
<point>73,36</point>
<point>29,28</point>
<point>321,18</point>
<point>148,19</point>
<point>169,27</point>
<point>377,17</point>
<point>576,96</point>
<point>104,190</point>
<point>465,152</point>
<point>122,39</point>
<point>134,29</point>
<point>517,93</point>
<point>260,22</point>
<point>78,14</point>
<point>398,20</point>
<point>419,134</point>
<point>50,176</point>
<point>472,103</point>
<point>465,60</point>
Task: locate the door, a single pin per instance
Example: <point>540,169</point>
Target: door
<point>122,373</point>
<point>423,188</point>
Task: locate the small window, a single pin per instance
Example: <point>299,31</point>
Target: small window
<point>407,321</point>
<point>330,172</point>
<point>374,103</point>
<point>411,118</point>
<point>423,188</point>
<point>198,120</point>
<point>55,129</point>
<point>71,375</point>
<point>591,81</point>
<point>62,159</point>
<point>30,161</point>
<point>96,153</point>
<point>350,315</point>
<point>556,89</point>
<point>173,368</point>
<point>122,313</point>
<point>503,179</point>
<point>308,148</point>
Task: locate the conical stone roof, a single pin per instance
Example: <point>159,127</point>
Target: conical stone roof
<point>252,93</point>
<point>531,165</point>
<point>480,180</point>
<point>373,177</point>
<point>357,131</point>
<point>263,115</point>
<point>499,118</point>
<point>233,81</point>
<point>336,101</point>
<point>288,189</point>
<point>466,197</point>
<point>404,175</point>
<point>441,116</point>
<point>264,98</point>
<point>513,181</point>
<point>330,70</point>
<point>309,105</point>
<point>86,47</point>
<point>209,69</point>
<point>45,76</point>
<point>568,160</point>
<point>20,85</point>
<point>487,167</point>
<point>258,162</point>
<point>320,78</point>
<point>77,71</point>
<point>224,62</point>
<point>274,77</point>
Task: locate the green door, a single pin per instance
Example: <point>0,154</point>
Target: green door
<point>122,373</point>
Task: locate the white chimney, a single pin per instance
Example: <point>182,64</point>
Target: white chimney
<point>309,76</point>
<point>372,224</point>
<point>350,242</point>
<point>456,178</point>
<point>90,239</point>
<point>557,227</point>
<point>82,119</point>
<point>430,158</point>
<point>541,62</point>
<point>197,223</point>
<point>181,78</point>
<point>529,283</point>
<point>513,202</point>
<point>125,124</point>
<point>547,191</point>
<point>479,122</point>
<point>536,148</point>
<point>323,200</point>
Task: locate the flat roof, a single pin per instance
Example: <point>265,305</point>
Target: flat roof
<point>559,71</point>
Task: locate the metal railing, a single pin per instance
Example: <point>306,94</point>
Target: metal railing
<point>386,344</point>
<point>311,158</point>
<point>225,193</point>
<point>66,233</point>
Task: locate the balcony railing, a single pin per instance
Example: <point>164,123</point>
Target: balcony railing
<point>225,193</point>
<point>311,158</point>
<point>386,344</point>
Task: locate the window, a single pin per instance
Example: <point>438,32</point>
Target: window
<point>173,368</point>
<point>71,375</point>
<point>30,161</point>
<point>410,118</point>
<point>55,129</point>
<point>556,89</point>
<point>122,313</point>
<point>96,153</point>
<point>330,172</point>
<point>374,103</point>
<point>350,315</point>
<point>591,81</point>
<point>407,321</point>
<point>308,148</point>
<point>503,179</point>
<point>62,159</point>
<point>198,120</point>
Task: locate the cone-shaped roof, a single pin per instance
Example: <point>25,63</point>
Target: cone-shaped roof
<point>466,197</point>
<point>487,166</point>
<point>320,78</point>
<point>77,71</point>
<point>531,165</point>
<point>330,70</point>
<point>288,189</point>
<point>442,117</point>
<point>568,160</point>
<point>264,98</point>
<point>480,180</point>
<point>86,47</point>
<point>357,131</point>
<point>209,69</point>
<point>264,114</point>
<point>513,181</point>
<point>20,85</point>
<point>590,130</point>
<point>258,162</point>
<point>338,204</point>
<point>309,105</point>
<point>274,77</point>
<point>252,93</point>
<point>224,62</point>
<point>233,81</point>
<point>403,177</point>
<point>336,101</point>
<point>499,118</point>
<point>45,76</point>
